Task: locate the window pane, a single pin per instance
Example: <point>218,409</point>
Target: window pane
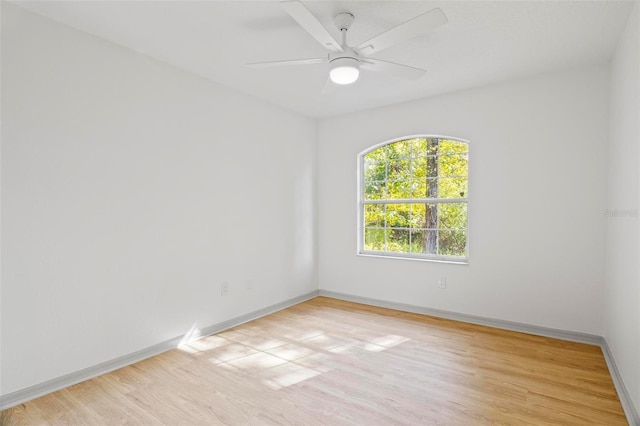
<point>424,216</point>
<point>422,188</point>
<point>375,190</point>
<point>432,147</point>
<point>397,215</point>
<point>417,217</point>
<point>431,233</point>
<point>399,169</point>
<point>433,188</point>
<point>447,147</point>
<point>419,147</point>
<point>374,215</point>
<point>398,241</point>
<point>452,187</point>
<point>419,167</point>
<point>398,190</point>
<point>400,149</point>
<point>424,241</point>
<point>418,188</point>
<point>374,239</point>
<point>417,240</point>
<point>375,170</point>
<point>452,216</point>
<point>453,165</point>
<point>430,242</point>
<point>431,166</point>
<point>379,154</point>
<point>452,243</point>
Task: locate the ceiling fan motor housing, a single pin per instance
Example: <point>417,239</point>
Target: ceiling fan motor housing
<point>344,67</point>
<point>347,53</point>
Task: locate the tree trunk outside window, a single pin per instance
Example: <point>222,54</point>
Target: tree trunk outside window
<point>431,210</point>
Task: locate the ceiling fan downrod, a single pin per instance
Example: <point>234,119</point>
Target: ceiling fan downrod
<point>343,21</point>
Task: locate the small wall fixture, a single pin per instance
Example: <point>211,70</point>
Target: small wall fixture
<point>344,70</point>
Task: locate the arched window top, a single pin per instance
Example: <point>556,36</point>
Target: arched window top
<point>415,141</point>
<point>413,198</point>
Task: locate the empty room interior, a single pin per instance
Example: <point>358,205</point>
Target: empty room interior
<point>320,212</point>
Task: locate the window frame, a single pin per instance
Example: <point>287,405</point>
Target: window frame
<point>361,202</point>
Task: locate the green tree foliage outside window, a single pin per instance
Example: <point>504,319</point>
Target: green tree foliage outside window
<point>414,198</point>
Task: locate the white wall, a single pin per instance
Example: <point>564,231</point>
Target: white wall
<point>130,191</point>
<point>622,301</point>
<point>537,187</point>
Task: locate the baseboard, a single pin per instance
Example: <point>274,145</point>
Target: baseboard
<point>27,394</point>
<point>591,339</point>
<point>625,399</point>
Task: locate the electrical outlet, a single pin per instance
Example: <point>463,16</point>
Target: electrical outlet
<point>249,284</point>
<point>442,282</point>
<point>224,288</point>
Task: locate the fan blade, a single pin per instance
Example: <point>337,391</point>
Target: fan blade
<point>305,18</point>
<point>412,28</point>
<point>398,70</point>
<point>286,63</point>
<point>329,87</point>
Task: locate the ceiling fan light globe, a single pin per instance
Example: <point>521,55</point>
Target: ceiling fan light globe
<point>344,75</point>
<point>344,70</point>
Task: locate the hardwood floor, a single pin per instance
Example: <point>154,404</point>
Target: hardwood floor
<point>332,362</point>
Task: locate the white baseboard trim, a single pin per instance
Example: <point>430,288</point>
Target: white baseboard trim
<point>592,339</point>
<point>27,394</point>
<point>625,399</point>
<point>572,336</point>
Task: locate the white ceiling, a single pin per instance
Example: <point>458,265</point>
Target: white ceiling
<point>484,42</point>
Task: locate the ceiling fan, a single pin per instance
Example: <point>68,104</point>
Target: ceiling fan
<point>346,61</point>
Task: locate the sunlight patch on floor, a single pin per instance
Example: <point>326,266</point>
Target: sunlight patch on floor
<point>257,361</point>
<point>318,361</point>
<point>326,341</point>
<point>303,334</point>
<point>287,375</point>
<point>230,352</point>
<point>389,341</point>
<point>291,352</point>
<point>374,348</point>
<point>278,363</point>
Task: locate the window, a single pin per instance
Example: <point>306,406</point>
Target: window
<point>413,199</point>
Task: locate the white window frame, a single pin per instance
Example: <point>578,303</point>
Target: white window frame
<point>361,203</point>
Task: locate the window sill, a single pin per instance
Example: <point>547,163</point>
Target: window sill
<point>463,261</point>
